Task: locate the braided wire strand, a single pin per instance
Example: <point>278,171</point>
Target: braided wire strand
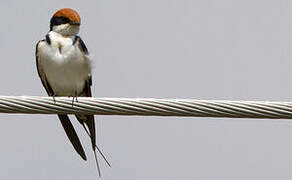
<point>146,107</point>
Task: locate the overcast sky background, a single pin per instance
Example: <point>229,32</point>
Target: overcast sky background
<point>202,49</point>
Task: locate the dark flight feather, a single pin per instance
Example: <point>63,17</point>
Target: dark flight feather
<point>64,119</point>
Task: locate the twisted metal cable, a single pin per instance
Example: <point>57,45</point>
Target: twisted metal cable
<point>146,107</point>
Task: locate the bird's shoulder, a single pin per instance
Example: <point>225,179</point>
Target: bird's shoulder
<point>80,43</point>
<point>41,44</point>
<point>40,69</point>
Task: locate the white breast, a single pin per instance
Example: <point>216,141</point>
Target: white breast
<point>65,65</point>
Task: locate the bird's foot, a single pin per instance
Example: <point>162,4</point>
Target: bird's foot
<point>73,99</point>
<point>54,98</point>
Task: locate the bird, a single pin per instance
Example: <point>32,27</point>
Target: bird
<point>64,67</point>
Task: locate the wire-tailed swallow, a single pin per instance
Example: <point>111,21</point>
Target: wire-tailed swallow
<point>64,68</point>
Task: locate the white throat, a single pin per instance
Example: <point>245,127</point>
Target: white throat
<point>66,29</point>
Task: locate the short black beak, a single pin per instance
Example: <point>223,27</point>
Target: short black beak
<point>75,23</point>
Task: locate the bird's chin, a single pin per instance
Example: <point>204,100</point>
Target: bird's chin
<point>73,30</point>
<point>70,32</point>
<point>66,29</point>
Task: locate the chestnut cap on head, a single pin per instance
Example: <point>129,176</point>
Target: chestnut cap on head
<point>65,16</point>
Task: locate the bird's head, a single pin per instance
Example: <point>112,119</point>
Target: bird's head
<point>65,22</point>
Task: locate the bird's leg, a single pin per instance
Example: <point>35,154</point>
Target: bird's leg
<point>54,95</point>
<point>72,101</point>
<point>76,96</point>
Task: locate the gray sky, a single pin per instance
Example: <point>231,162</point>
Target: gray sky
<point>203,49</point>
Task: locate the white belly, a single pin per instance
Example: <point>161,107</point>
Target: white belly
<point>66,70</point>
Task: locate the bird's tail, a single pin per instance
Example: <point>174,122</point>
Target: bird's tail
<point>72,135</point>
<point>90,123</point>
